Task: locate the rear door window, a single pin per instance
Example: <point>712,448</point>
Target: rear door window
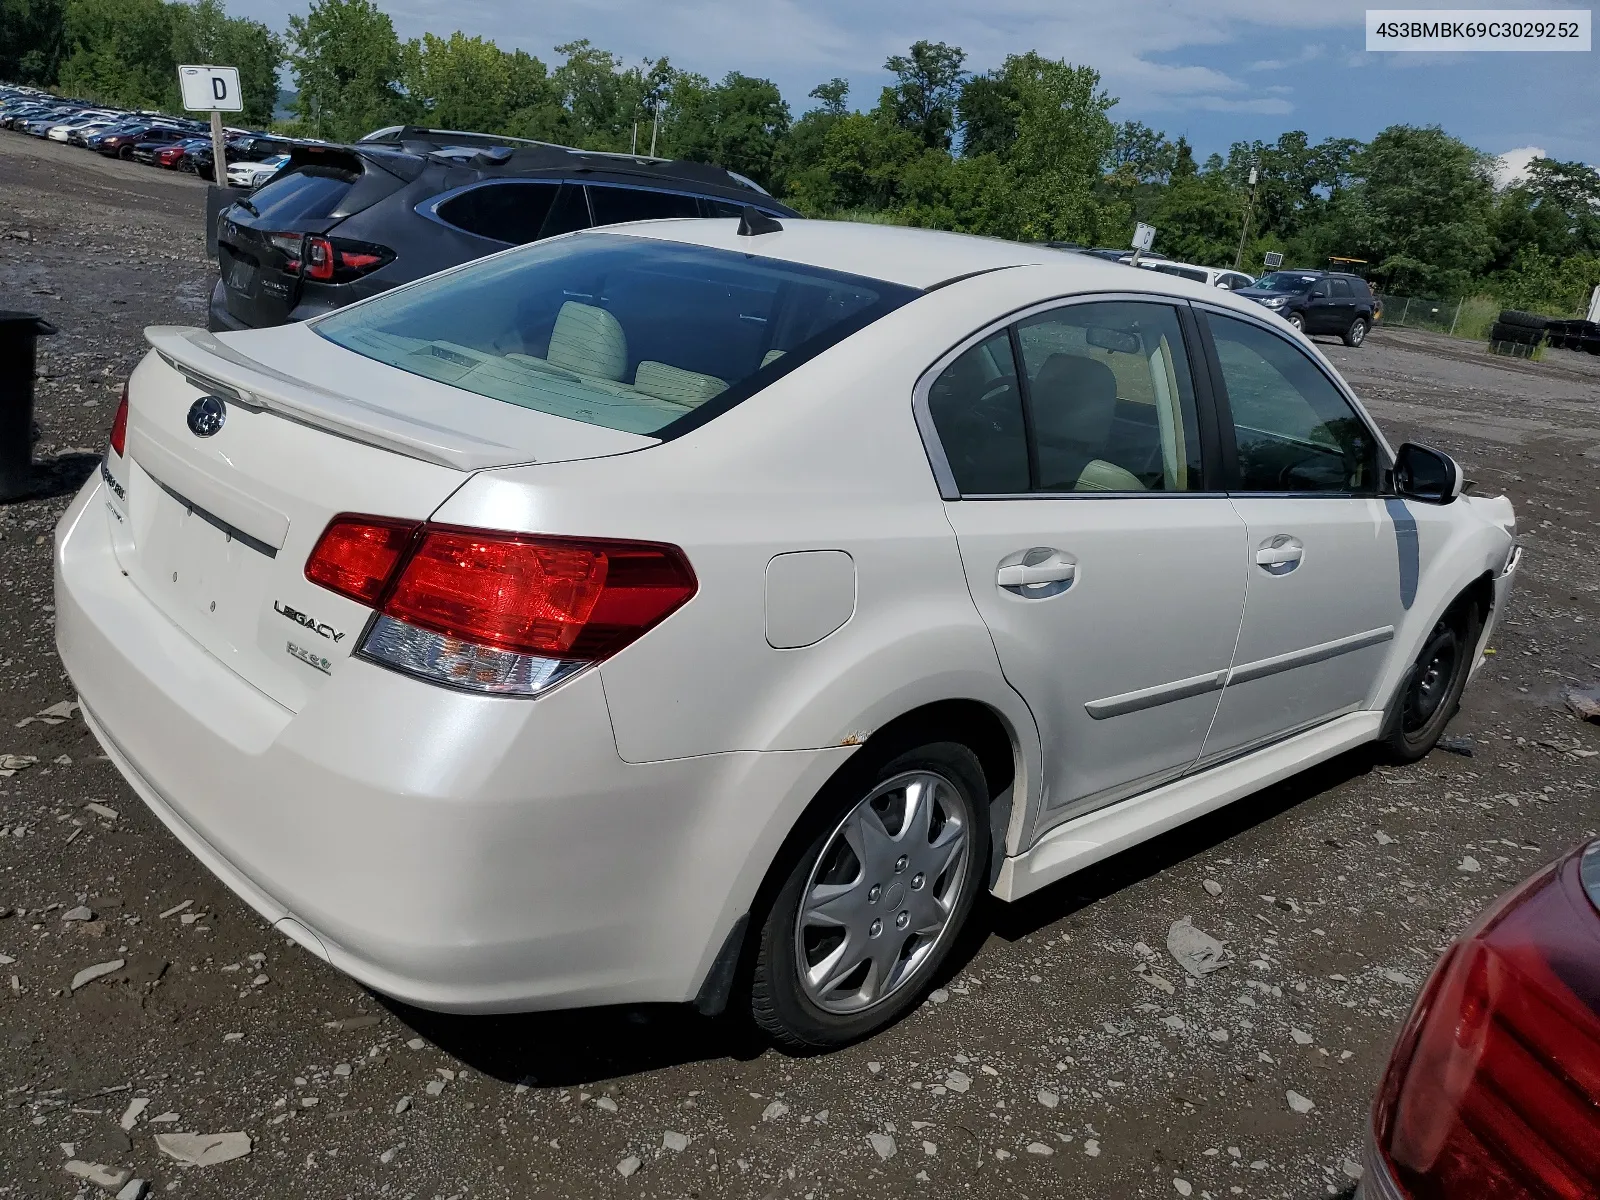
<point>976,405</point>
<point>310,193</point>
<point>509,212</point>
<point>614,205</point>
<point>1341,288</point>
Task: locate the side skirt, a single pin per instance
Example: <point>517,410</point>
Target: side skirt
<point>1088,839</point>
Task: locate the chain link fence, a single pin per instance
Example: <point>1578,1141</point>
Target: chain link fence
<point>1439,315</point>
<point>1469,317</point>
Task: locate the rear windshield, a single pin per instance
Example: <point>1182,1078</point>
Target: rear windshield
<point>625,332</point>
<point>1286,281</point>
<point>307,194</point>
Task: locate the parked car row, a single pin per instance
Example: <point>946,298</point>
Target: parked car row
<point>154,138</point>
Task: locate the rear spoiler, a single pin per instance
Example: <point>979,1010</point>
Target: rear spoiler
<point>220,370</point>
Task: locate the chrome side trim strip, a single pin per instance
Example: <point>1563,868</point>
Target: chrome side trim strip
<point>1150,697</point>
<point>1278,663</point>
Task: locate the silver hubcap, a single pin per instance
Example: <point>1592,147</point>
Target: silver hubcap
<point>880,897</point>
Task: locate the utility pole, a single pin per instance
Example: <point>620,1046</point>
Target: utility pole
<point>655,128</point>
<point>1249,203</point>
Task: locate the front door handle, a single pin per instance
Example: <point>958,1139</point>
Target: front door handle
<point>1036,573</point>
<point>1280,555</point>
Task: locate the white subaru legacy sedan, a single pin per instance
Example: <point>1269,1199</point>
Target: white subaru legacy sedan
<point>707,611</point>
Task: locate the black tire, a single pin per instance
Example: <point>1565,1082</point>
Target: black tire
<point>1357,333</point>
<point>1526,320</point>
<point>1518,334</point>
<point>1431,691</point>
<point>779,1004</point>
<point>1297,320</point>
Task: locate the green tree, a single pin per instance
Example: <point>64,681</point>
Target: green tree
<point>32,41</point>
<point>1063,137</point>
<point>1141,154</point>
<point>800,154</point>
<point>923,98</point>
<point>1419,211</point>
<point>738,124</point>
<point>458,82</point>
<point>1197,219</point>
<point>986,111</point>
<point>118,51</point>
<point>203,32</point>
<point>833,95</point>
<point>347,65</point>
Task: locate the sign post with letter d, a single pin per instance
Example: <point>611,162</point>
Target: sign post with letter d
<point>214,90</point>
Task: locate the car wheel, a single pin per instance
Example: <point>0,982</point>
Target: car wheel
<point>1357,333</point>
<point>871,906</point>
<point>1298,321</point>
<point>1432,690</point>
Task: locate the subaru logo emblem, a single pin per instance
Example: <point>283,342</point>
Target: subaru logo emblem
<point>206,416</point>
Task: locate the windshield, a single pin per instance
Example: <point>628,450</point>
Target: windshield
<point>1285,281</point>
<point>623,332</point>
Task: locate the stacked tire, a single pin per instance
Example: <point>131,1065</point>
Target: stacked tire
<point>1519,328</point>
<point>1574,335</point>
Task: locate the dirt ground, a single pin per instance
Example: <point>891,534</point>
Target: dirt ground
<point>1049,1064</point>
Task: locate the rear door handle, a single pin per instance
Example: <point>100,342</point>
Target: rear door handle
<point>1280,555</point>
<point>1036,573</point>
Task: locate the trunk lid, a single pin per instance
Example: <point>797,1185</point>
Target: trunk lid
<point>215,528</point>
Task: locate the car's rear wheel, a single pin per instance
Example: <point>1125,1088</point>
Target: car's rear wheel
<point>1433,689</point>
<point>1357,333</point>
<point>871,906</point>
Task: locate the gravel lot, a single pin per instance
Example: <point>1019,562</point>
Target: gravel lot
<point>1067,1056</point>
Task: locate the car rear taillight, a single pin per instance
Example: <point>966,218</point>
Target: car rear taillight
<point>1494,1087</point>
<point>119,425</point>
<point>497,612</point>
<point>339,260</point>
<point>355,556</point>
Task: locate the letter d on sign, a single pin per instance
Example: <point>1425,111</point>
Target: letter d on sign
<point>210,89</point>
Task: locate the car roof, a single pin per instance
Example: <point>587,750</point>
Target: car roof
<point>919,258</point>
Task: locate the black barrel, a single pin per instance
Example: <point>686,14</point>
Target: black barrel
<point>17,333</point>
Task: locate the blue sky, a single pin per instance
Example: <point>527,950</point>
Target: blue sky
<point>1216,71</point>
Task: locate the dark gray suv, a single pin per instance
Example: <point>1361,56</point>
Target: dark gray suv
<point>340,223</point>
<point>1318,302</point>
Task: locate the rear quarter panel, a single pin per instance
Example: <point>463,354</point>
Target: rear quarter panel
<point>828,458</point>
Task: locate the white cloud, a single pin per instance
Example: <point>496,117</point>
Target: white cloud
<point>1512,166</point>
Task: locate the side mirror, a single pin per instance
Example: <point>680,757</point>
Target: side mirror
<point>1319,293</point>
<point>1423,473</point>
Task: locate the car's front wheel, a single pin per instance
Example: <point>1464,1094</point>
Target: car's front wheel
<point>870,908</point>
<point>1298,321</point>
<point>1357,333</point>
<point>1434,686</point>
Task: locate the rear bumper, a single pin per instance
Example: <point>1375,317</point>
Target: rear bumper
<point>462,853</point>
